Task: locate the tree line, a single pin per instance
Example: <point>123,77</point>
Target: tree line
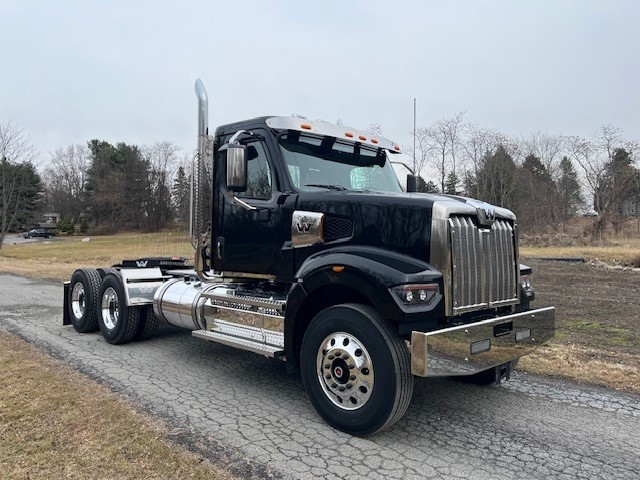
<point>544,178</point>
<point>108,187</point>
<point>118,187</point>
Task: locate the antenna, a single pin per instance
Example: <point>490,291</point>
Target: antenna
<point>414,136</point>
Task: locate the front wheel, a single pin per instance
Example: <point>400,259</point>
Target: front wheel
<point>356,369</point>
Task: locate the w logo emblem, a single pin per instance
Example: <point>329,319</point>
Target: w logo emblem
<point>303,227</point>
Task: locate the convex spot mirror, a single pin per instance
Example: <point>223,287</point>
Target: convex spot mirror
<point>236,167</point>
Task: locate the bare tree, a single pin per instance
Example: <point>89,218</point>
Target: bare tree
<point>65,179</point>
<point>423,150</point>
<point>438,139</point>
<point>20,185</point>
<point>596,159</point>
<point>454,128</point>
<point>162,158</point>
<point>547,148</point>
<point>440,144</point>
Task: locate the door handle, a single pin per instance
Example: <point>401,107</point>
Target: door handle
<point>219,247</point>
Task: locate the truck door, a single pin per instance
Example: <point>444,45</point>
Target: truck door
<point>246,240</point>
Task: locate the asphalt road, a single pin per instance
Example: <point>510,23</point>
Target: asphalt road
<point>243,410</point>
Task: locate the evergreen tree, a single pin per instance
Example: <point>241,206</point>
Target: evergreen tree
<point>426,187</point>
<point>118,185</point>
<point>618,185</point>
<point>451,185</point>
<point>181,196</point>
<point>537,205</point>
<point>568,190</point>
<point>20,185</point>
<point>496,180</point>
<point>21,195</point>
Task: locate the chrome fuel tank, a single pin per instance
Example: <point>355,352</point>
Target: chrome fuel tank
<point>180,302</point>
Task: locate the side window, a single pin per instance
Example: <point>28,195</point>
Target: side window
<point>259,179</point>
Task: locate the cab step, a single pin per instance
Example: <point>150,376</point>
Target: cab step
<point>244,337</point>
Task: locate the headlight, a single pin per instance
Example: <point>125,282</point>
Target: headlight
<point>416,295</point>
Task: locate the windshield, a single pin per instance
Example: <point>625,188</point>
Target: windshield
<point>326,163</point>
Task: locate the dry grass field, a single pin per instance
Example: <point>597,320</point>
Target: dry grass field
<point>56,259</point>
<point>597,337</point>
<point>55,423</point>
<point>623,252</point>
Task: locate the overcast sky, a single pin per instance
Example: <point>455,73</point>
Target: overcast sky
<point>71,71</point>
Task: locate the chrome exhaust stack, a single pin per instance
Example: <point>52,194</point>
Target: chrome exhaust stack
<point>205,156</point>
<point>199,231</point>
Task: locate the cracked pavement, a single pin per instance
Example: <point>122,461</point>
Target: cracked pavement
<point>220,402</point>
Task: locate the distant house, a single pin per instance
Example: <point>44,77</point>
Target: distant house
<point>631,206</point>
<point>51,218</point>
<point>49,221</point>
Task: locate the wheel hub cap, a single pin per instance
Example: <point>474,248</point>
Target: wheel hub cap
<point>345,371</point>
<point>78,300</point>
<point>110,308</point>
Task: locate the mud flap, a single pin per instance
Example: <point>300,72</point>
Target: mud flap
<point>66,318</point>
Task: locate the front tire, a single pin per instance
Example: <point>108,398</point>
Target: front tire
<point>118,322</point>
<point>356,369</point>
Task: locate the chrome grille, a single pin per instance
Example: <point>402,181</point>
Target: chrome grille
<point>484,270</point>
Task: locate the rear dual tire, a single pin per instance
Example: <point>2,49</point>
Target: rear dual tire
<point>83,300</point>
<point>118,322</point>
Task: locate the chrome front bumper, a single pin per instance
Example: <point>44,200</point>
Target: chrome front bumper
<point>472,348</point>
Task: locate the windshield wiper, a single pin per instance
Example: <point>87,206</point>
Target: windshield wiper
<point>328,187</point>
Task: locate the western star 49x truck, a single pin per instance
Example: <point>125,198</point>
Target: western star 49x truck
<point>308,250</point>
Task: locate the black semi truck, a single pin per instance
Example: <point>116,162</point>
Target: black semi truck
<point>308,250</point>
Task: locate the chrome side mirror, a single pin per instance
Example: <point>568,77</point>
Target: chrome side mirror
<point>236,167</point>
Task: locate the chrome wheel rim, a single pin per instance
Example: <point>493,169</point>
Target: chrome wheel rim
<point>78,300</point>
<point>110,308</point>
<point>345,371</point>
